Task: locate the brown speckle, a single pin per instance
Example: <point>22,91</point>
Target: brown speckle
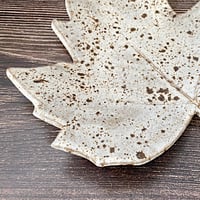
<point>89,100</point>
<point>162,50</point>
<point>126,46</point>
<point>149,90</point>
<point>96,20</point>
<point>98,113</point>
<point>81,74</point>
<point>144,15</point>
<point>132,135</point>
<point>161,98</point>
<point>165,91</point>
<point>133,29</point>
<point>123,86</point>
<point>195,58</point>
<point>88,47</point>
<point>40,81</point>
<point>140,155</point>
<point>176,98</point>
<point>144,129</point>
<point>112,149</point>
<point>190,32</point>
<point>176,68</point>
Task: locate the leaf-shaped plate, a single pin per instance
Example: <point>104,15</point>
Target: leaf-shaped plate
<point>114,105</point>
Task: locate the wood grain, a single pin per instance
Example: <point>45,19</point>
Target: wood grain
<point>30,169</point>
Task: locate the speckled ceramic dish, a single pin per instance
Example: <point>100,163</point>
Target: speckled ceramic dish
<point>133,86</point>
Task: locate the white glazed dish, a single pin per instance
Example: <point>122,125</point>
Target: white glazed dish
<point>119,103</point>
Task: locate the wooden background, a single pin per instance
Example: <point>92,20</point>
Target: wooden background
<point>31,169</point>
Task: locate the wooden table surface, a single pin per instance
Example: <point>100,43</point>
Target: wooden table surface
<point>31,169</point>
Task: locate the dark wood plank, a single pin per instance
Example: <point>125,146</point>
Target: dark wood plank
<point>30,169</point>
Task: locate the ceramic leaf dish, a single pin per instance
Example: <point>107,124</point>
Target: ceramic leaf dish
<point>133,86</point>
